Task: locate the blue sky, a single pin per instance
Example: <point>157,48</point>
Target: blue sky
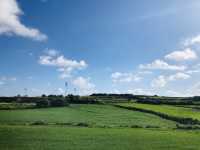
<point>115,46</point>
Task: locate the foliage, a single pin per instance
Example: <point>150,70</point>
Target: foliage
<point>180,114</point>
<point>42,103</point>
<point>57,103</point>
<point>58,138</point>
<point>92,114</point>
<point>11,106</point>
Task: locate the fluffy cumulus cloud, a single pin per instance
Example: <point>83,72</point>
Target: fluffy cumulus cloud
<point>175,93</point>
<point>182,68</point>
<point>140,91</point>
<point>64,65</point>
<point>60,91</point>
<point>161,81</point>
<point>194,69</point>
<point>119,77</point>
<point>182,55</point>
<point>192,41</point>
<point>194,90</point>
<point>10,23</point>
<point>178,76</point>
<point>84,85</point>
<point>162,65</point>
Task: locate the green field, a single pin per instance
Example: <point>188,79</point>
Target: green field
<point>185,112</point>
<point>93,115</point>
<point>95,127</point>
<point>70,138</point>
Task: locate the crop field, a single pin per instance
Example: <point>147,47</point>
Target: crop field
<point>90,114</point>
<point>178,111</point>
<point>94,127</point>
<point>70,138</point>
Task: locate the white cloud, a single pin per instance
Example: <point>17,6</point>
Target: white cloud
<point>162,65</point>
<point>119,77</point>
<point>140,91</point>
<point>62,62</point>
<point>182,55</point>
<point>5,79</point>
<point>179,76</point>
<point>144,72</point>
<point>194,90</point>
<point>64,65</point>
<point>60,91</point>
<point>194,69</point>
<point>192,41</point>
<point>84,85</point>
<point>161,81</point>
<point>115,91</point>
<point>10,23</point>
<point>175,93</point>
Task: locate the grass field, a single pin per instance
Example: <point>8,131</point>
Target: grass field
<point>93,115</point>
<point>186,112</point>
<point>109,128</point>
<point>70,138</point>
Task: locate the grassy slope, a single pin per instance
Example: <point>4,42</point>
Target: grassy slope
<point>55,138</point>
<point>96,115</point>
<point>170,110</point>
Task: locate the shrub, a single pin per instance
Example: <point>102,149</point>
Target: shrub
<point>82,124</point>
<point>42,103</point>
<point>73,98</point>
<point>39,123</point>
<point>136,126</point>
<point>58,102</point>
<point>151,126</point>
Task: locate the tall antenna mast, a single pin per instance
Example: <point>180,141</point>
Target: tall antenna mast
<point>25,92</point>
<point>66,86</point>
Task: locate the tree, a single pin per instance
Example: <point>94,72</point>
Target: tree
<point>58,102</point>
<point>42,103</point>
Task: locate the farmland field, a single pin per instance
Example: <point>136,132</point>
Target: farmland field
<point>93,115</point>
<point>186,112</point>
<point>93,127</point>
<point>70,138</point>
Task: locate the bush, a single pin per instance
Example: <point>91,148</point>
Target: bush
<point>42,103</point>
<point>136,126</point>
<point>40,122</point>
<point>73,98</point>
<point>58,102</point>
<point>82,124</point>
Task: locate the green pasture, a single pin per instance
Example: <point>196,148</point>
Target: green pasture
<point>70,138</point>
<point>178,111</point>
<point>93,115</point>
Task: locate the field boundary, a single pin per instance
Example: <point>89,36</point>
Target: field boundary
<point>181,120</point>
